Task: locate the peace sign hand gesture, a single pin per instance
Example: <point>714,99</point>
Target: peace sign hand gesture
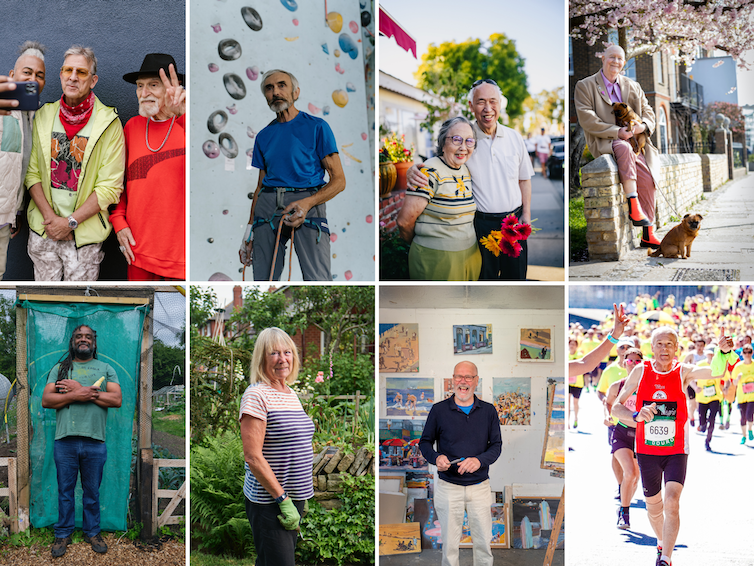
<point>175,94</point>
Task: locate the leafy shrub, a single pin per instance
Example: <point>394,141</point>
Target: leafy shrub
<point>349,374</point>
<point>341,535</point>
<point>218,512</point>
<point>577,229</point>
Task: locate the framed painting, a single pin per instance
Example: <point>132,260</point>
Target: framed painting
<point>512,399</point>
<point>402,538</point>
<point>532,520</point>
<point>553,450</point>
<point>399,348</point>
<point>472,339</point>
<point>535,345</point>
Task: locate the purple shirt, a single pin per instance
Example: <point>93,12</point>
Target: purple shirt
<point>613,89</point>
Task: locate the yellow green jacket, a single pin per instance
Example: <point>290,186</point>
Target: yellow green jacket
<point>102,169</point>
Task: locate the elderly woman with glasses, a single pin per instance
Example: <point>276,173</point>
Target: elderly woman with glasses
<point>438,219</point>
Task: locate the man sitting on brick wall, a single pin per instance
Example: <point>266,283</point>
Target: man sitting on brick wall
<point>593,98</point>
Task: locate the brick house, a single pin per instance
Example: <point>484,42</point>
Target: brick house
<point>673,95</point>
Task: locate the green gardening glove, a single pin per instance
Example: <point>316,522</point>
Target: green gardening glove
<point>290,517</point>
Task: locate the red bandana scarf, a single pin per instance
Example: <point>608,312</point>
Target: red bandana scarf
<point>74,118</point>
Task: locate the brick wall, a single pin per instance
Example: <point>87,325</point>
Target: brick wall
<point>389,208</point>
<point>609,232</point>
<point>714,171</point>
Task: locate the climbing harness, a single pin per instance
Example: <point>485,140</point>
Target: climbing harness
<point>320,224</point>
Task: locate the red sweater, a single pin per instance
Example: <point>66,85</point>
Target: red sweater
<point>153,203</point>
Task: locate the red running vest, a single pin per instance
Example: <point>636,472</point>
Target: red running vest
<point>668,432</point>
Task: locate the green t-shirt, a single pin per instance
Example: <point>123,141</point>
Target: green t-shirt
<point>84,419</point>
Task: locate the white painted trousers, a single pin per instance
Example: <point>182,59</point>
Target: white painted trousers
<point>450,502</point>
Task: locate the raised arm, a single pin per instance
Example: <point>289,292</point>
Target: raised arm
<point>593,358</point>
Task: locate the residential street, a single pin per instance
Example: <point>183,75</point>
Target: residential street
<point>723,250</point>
<point>546,247</point>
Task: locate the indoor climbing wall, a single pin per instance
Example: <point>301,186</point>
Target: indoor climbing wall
<point>328,46</point>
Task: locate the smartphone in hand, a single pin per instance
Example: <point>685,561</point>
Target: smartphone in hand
<point>27,94</point>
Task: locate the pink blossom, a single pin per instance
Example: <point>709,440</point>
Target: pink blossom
<point>319,378</point>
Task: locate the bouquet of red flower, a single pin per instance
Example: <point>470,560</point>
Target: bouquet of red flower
<point>507,239</point>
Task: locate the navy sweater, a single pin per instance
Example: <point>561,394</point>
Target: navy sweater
<point>462,436</point>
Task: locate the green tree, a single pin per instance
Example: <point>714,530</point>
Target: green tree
<point>339,311</point>
<point>449,70</point>
<point>260,310</point>
<point>8,338</point>
<point>164,361</point>
<point>202,305</point>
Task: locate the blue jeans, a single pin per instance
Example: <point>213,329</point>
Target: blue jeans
<point>74,454</point>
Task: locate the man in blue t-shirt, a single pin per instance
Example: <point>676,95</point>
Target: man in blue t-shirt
<point>466,431</point>
<point>292,154</point>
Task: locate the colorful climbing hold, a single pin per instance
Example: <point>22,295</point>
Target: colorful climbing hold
<point>353,26</point>
<point>313,109</point>
<point>216,28</point>
<point>335,21</point>
<point>210,149</point>
<point>340,97</point>
<point>333,237</point>
<point>213,68</point>
<point>348,275</point>
<point>370,218</point>
<point>290,5</point>
<point>252,73</point>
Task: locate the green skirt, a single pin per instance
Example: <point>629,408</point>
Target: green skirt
<point>426,264</point>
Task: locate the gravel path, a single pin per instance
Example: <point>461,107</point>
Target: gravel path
<point>123,553</point>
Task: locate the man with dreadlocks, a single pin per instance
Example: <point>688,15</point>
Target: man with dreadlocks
<point>81,399</point>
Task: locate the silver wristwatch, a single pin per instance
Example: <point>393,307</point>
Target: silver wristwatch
<point>72,223</point>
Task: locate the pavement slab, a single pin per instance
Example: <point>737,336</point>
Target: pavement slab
<point>723,250</point>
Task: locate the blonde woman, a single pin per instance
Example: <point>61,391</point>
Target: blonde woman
<point>277,445</point>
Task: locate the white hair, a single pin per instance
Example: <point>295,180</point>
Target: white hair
<point>503,100</point>
<point>33,49</point>
<point>660,330</point>
<point>294,80</point>
<point>86,52</point>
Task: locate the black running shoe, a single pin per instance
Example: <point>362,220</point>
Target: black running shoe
<point>623,522</point>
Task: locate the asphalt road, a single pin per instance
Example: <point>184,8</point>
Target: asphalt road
<point>717,518</point>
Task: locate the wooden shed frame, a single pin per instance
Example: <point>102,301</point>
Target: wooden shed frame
<point>147,467</point>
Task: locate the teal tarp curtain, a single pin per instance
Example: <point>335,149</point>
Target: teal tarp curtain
<point>119,333</point>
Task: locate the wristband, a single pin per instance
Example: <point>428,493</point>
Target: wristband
<point>636,414</point>
<point>613,340</point>
<point>281,498</point>
<point>247,234</point>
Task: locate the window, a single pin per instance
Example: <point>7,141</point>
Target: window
<point>662,131</point>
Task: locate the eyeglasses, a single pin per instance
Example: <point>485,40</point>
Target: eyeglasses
<point>480,81</point>
<point>465,377</point>
<point>80,73</point>
<point>458,140</point>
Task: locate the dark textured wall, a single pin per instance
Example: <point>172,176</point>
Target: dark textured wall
<point>121,32</point>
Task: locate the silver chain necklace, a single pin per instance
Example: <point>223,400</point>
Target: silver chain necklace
<point>163,141</point>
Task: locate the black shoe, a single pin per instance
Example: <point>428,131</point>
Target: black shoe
<point>707,447</point>
<point>98,545</point>
<point>60,546</point>
<point>623,522</point>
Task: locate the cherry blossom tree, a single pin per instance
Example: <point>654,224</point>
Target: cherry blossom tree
<point>677,27</point>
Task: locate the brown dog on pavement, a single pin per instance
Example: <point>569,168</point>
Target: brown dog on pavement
<point>625,117</point>
<point>677,242</point>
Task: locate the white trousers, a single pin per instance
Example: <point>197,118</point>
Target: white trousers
<point>450,502</point>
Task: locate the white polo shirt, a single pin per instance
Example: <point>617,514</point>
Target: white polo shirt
<point>496,166</point>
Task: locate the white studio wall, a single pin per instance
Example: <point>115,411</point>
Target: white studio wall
<point>521,455</point>
<point>233,43</point>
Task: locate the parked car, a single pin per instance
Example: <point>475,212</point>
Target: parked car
<point>556,160</point>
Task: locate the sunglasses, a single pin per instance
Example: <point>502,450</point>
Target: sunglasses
<point>458,140</point>
<point>748,351</point>
<point>480,81</point>
<point>634,361</point>
<point>80,73</point>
